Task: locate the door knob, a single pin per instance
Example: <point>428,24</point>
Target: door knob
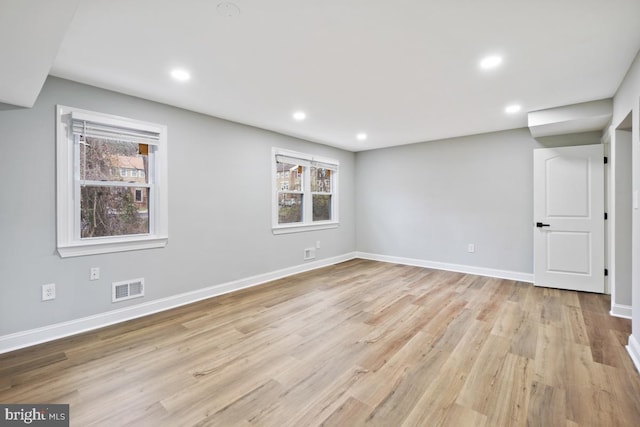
<point>540,225</point>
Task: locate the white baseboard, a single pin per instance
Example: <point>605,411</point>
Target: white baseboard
<point>60,330</point>
<point>634,351</point>
<point>619,310</point>
<point>467,269</point>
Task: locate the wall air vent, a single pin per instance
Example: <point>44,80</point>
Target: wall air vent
<point>309,253</point>
<point>128,289</point>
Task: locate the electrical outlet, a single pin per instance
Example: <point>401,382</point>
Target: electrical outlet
<point>471,248</point>
<point>95,273</point>
<point>48,292</point>
<point>317,244</point>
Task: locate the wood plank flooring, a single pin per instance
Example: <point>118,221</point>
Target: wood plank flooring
<point>356,344</point>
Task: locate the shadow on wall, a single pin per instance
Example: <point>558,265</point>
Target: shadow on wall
<point>6,107</point>
<point>572,139</point>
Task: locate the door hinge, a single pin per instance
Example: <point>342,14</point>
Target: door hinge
<point>606,216</point>
<point>606,272</point>
<point>606,160</point>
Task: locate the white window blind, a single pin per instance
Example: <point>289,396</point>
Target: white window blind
<point>324,165</point>
<point>115,130</point>
<point>305,162</point>
<point>292,160</point>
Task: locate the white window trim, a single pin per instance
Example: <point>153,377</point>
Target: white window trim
<point>68,244</point>
<point>308,225</point>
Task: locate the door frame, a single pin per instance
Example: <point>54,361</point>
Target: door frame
<point>613,138</point>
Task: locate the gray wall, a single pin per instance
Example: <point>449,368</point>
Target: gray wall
<point>428,201</point>
<point>627,99</point>
<point>621,165</point>
<point>219,210</point>
<point>425,201</point>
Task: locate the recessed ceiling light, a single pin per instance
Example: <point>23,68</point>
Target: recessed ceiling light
<point>512,109</point>
<point>299,116</point>
<point>180,75</point>
<point>361,136</point>
<point>490,62</point>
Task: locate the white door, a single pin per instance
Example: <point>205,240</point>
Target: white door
<point>568,209</point>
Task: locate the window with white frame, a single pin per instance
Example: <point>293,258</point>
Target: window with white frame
<point>305,192</point>
<point>100,207</point>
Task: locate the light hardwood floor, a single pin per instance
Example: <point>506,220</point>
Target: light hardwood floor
<point>358,343</point>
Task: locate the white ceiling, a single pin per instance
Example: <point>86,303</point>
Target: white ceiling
<point>402,71</point>
<point>30,33</point>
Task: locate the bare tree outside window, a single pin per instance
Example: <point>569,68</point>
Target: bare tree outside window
<point>320,180</point>
<point>290,198</point>
<point>321,183</point>
<point>108,202</point>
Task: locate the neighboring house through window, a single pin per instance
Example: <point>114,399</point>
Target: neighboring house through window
<point>305,192</point>
<point>101,207</point>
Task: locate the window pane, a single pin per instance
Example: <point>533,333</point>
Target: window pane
<point>289,208</point>
<point>105,160</point>
<point>320,180</point>
<point>321,207</point>
<point>113,211</point>
<point>290,176</point>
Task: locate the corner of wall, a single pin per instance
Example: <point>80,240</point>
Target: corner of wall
<point>634,351</point>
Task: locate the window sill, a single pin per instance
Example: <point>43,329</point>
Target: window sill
<point>299,228</point>
<point>110,246</point>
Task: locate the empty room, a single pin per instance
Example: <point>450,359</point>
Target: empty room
<point>290,213</point>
